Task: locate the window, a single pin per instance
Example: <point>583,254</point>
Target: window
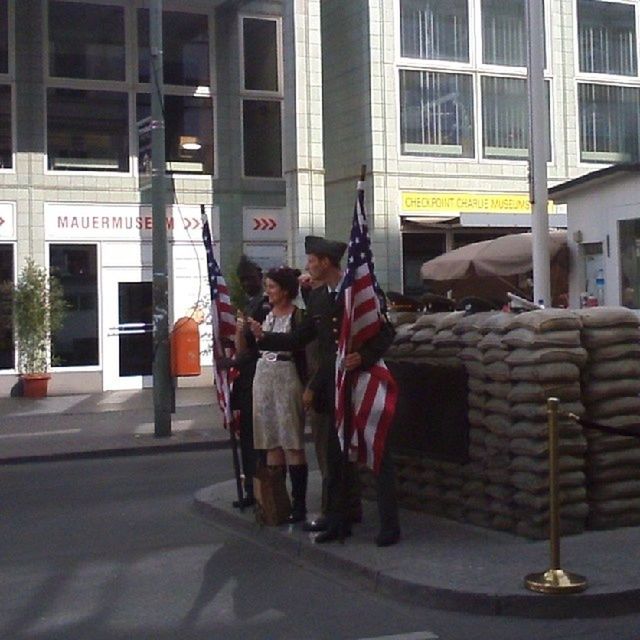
<point>607,38</point>
<point>262,98</point>
<point>630,263</point>
<point>260,47</point>
<point>188,132</point>
<point>76,343</point>
<point>505,118</point>
<point>7,352</point>
<point>436,114</point>
<point>262,135</point>
<point>6,157</point>
<point>86,41</point>
<point>4,36</point>
<point>504,39</point>
<point>440,101</point>
<point>87,130</point>
<point>609,118</point>
<point>185,48</point>
<point>435,30</point>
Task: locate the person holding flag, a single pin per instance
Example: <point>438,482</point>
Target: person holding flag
<point>348,303</point>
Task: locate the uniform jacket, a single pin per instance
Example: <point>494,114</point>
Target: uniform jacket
<point>322,321</point>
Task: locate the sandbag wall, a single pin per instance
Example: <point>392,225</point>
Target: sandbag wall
<point>611,393</point>
<point>514,363</point>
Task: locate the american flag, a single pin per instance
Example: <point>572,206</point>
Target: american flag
<point>374,392</point>
<point>223,324</point>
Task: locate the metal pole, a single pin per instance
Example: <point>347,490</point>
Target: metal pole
<point>538,152</point>
<point>555,580</point>
<point>162,386</point>
<point>554,507</point>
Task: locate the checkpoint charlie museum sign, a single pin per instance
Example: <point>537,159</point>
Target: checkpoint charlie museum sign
<point>425,202</point>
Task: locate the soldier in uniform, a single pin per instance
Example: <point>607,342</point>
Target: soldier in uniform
<point>250,276</point>
<point>323,319</point>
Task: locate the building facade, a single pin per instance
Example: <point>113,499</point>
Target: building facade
<point>271,107</point>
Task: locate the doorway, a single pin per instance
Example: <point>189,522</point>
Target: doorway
<point>127,300</point>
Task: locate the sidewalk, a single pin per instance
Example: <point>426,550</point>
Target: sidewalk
<point>444,564</point>
<point>110,423</point>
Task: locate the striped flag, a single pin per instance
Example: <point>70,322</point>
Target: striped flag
<point>223,324</point>
<point>374,392</point>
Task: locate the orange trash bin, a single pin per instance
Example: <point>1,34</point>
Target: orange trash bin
<point>185,348</point>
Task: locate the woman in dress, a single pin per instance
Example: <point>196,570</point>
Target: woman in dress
<point>278,419</point>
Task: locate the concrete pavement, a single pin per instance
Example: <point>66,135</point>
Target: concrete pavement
<point>444,564</point>
<point>110,423</point>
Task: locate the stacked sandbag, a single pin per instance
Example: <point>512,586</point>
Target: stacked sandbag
<point>446,341</point>
<point>496,423</point>
<point>544,359</point>
<point>405,327</point>
<point>611,394</point>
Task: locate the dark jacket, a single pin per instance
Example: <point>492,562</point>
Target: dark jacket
<point>257,308</point>
<point>322,321</point>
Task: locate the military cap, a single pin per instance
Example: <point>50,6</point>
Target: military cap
<point>322,247</point>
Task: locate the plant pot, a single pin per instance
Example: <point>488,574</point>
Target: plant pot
<point>34,385</point>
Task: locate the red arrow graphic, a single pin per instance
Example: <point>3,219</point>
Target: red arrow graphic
<point>1,221</point>
<point>264,224</point>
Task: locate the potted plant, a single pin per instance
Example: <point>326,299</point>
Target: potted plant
<point>37,306</point>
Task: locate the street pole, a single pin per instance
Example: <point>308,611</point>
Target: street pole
<point>162,389</point>
<point>538,144</point>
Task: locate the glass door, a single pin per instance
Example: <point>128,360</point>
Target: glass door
<point>128,329</point>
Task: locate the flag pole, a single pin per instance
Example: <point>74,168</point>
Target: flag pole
<point>346,425</point>
<point>229,418</point>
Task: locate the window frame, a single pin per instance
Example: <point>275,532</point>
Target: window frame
<point>131,85</point>
<point>478,69</point>
<point>261,95</point>
<point>605,79</point>
<point>609,77</point>
<point>101,328</point>
<point>8,79</point>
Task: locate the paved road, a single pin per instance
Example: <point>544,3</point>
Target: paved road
<point>111,549</point>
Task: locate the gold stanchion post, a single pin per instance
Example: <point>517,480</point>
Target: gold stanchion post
<point>555,580</point>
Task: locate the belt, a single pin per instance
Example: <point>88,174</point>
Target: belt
<point>271,356</point>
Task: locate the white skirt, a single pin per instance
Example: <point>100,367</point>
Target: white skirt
<point>278,416</point>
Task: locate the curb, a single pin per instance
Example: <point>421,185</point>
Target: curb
<point>117,452</point>
<point>523,605</point>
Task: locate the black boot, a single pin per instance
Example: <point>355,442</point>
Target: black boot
<point>299,474</point>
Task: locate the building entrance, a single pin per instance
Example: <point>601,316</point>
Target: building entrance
<point>128,329</point>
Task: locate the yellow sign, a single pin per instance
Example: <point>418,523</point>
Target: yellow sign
<point>462,202</point>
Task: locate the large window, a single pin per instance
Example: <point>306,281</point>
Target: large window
<point>86,41</point>
<point>87,130</point>
<point>262,134</point>
<point>630,263</point>
<point>609,123</point>
<point>185,48</point>
<point>260,38</point>
<point>189,132</point>
<point>4,36</point>
<point>261,98</point>
<point>5,127</point>
<point>7,349</point>
<point>76,343</point>
<point>505,118</point>
<point>607,37</point>
<point>98,86</point>
<point>435,30</point>
<point>437,114</point>
<point>439,103</point>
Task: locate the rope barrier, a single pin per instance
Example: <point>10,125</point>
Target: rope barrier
<point>631,431</point>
